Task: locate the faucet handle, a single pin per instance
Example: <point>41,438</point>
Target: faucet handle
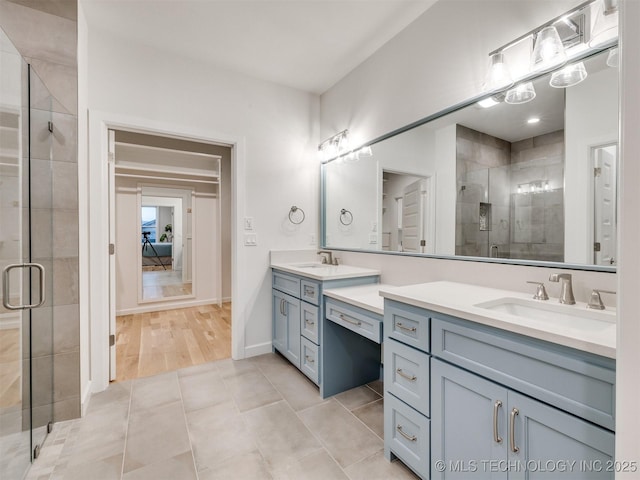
<point>595,301</point>
<point>541,292</point>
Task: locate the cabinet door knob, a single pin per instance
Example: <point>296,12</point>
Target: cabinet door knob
<point>512,430</point>
<point>496,406</point>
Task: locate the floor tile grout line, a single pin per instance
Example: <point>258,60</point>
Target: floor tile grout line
<point>244,421</point>
<point>186,426</point>
<point>126,433</point>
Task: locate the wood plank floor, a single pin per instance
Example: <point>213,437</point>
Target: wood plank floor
<point>157,342</point>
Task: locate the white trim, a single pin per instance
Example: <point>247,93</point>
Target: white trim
<point>226,299</point>
<point>157,307</point>
<point>258,349</point>
<point>94,256</point>
<point>86,398</point>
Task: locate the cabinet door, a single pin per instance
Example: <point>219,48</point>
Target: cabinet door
<point>468,424</point>
<point>286,326</point>
<point>553,444</point>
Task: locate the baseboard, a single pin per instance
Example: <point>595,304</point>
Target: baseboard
<point>259,349</point>
<point>86,397</point>
<point>157,307</point>
<point>226,299</point>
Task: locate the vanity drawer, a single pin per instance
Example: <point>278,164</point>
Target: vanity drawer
<point>577,382</point>
<point>407,435</point>
<point>310,291</point>
<point>406,375</point>
<point>309,321</point>
<point>407,324</point>
<point>360,323</point>
<point>309,359</point>
<point>286,283</point>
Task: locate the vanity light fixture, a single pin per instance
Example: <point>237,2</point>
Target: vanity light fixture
<point>488,102</point>
<point>569,76</point>
<point>548,50</point>
<point>605,28</point>
<point>364,152</point>
<point>522,93</point>
<point>612,58</point>
<point>334,146</point>
<point>498,76</point>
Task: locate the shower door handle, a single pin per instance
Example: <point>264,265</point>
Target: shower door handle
<point>6,290</point>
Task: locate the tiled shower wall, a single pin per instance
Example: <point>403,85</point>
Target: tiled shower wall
<point>523,225</point>
<point>45,33</point>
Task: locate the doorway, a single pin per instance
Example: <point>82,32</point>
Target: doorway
<point>170,216</point>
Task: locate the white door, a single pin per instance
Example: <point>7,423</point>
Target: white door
<point>413,238</point>
<point>605,218</point>
<point>112,257</point>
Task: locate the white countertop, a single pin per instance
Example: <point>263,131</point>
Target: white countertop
<point>460,300</point>
<point>324,272</point>
<point>363,296</point>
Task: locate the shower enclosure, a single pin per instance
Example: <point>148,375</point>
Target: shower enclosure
<point>26,253</point>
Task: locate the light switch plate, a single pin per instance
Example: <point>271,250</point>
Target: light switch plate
<point>248,223</point>
<point>250,239</point>
<point>373,238</point>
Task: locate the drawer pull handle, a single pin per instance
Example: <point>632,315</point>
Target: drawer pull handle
<point>309,359</point>
<point>282,306</point>
<point>309,291</point>
<point>309,322</point>
<point>496,406</point>
<point>348,320</point>
<point>411,378</point>
<point>512,427</point>
<point>408,329</point>
<point>411,438</point>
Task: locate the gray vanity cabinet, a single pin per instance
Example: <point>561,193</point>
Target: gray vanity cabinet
<point>465,400</point>
<point>484,430</point>
<point>298,317</point>
<point>286,326</point>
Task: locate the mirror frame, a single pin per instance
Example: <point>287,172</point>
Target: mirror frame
<point>533,263</point>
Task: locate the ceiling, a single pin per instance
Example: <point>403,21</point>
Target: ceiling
<point>304,44</point>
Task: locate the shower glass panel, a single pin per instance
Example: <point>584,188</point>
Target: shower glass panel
<point>26,333</point>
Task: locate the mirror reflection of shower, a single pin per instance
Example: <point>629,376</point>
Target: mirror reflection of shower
<point>166,242</point>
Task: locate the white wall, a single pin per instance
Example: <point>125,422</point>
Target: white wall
<point>628,353</point>
<point>276,136</point>
<point>584,130</point>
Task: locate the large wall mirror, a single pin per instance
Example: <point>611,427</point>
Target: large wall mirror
<point>166,243</point>
<point>524,183</point>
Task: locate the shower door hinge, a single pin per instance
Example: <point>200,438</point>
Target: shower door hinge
<point>112,340</point>
<point>50,126</point>
<point>112,249</point>
<point>49,427</point>
<point>596,247</point>
<point>36,452</point>
<point>597,171</point>
<point>423,243</point>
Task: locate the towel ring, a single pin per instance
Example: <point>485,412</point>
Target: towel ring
<point>292,212</point>
<point>346,217</point>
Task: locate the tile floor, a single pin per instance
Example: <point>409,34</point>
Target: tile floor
<point>258,418</point>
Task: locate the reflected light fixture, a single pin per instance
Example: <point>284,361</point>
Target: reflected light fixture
<point>521,93</point>
<point>533,120</point>
<point>498,76</point>
<point>488,102</point>
<point>548,50</point>
<point>569,76</point>
<point>364,152</point>
<point>612,58</point>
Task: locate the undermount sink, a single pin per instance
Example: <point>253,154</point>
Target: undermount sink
<point>558,314</point>
<point>312,265</point>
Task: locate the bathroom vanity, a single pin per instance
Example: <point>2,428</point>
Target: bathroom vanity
<point>334,343</point>
<point>475,388</point>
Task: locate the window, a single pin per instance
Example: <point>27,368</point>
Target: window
<point>149,223</point>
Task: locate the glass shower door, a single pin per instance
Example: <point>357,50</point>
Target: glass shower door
<point>26,328</point>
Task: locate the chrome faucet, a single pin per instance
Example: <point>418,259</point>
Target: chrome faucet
<point>328,259</point>
<point>566,292</point>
